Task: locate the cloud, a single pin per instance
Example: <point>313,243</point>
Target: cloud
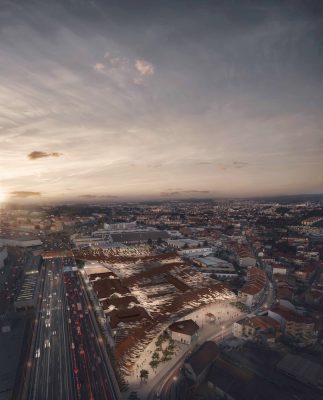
<point>144,68</point>
<point>171,193</point>
<point>35,155</point>
<point>99,67</point>
<point>24,194</point>
<point>240,164</point>
<point>235,164</point>
<point>94,196</point>
<point>120,68</point>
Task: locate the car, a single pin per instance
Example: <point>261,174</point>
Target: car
<point>47,344</point>
<point>37,354</point>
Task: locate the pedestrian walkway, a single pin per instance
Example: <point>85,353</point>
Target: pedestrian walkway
<point>212,319</point>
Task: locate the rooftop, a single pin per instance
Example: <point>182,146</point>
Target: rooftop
<point>203,357</point>
<point>186,327</point>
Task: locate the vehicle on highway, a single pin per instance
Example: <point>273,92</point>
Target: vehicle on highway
<point>37,354</point>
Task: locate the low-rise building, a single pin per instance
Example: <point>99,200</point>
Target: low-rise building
<point>249,327</point>
<point>184,331</point>
<point>279,269</point>
<point>254,288</point>
<point>302,370</point>
<point>293,323</point>
<point>197,365</point>
<point>216,266</point>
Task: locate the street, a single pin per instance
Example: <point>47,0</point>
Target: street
<point>69,360</point>
<point>51,373</point>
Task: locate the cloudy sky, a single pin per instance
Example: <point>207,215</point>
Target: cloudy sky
<point>123,99</point>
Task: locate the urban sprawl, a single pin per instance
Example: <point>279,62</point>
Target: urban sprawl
<point>166,300</point>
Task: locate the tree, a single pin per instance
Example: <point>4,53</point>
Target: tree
<point>150,242</point>
<point>154,364</point>
<point>155,356</point>
<point>160,340</point>
<point>144,374</point>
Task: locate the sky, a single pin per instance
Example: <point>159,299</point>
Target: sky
<point>160,99</point>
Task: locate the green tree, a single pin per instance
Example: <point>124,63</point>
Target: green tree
<point>154,364</point>
<point>144,375</point>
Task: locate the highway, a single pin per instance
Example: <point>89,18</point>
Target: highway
<point>69,360</point>
<point>91,368</point>
<point>51,371</point>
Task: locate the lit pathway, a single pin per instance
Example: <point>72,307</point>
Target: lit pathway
<point>225,314</point>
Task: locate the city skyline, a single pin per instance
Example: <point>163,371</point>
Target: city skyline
<point>110,101</point>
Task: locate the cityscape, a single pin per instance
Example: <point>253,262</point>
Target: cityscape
<point>162,300</point>
<point>161,200</point>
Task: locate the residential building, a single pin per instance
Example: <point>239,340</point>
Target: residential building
<point>254,288</point>
<point>249,327</point>
<point>293,323</point>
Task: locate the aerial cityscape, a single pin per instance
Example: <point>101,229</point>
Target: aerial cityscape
<point>161,200</point>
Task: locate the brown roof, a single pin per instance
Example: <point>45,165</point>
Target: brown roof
<point>256,281</point>
<point>106,287</point>
<point>203,357</point>
<point>186,327</point>
<point>119,301</point>
<point>129,315</point>
<point>264,322</point>
<point>291,316</point>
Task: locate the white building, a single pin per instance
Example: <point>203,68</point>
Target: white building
<point>184,331</point>
<point>120,226</point>
<point>198,251</point>
<point>217,266</point>
<point>279,269</point>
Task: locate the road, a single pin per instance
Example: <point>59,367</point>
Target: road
<point>51,371</point>
<point>92,371</point>
<point>69,360</point>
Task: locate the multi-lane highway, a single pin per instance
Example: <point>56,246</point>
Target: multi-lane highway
<point>69,360</point>
<point>91,369</point>
<point>51,371</point>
